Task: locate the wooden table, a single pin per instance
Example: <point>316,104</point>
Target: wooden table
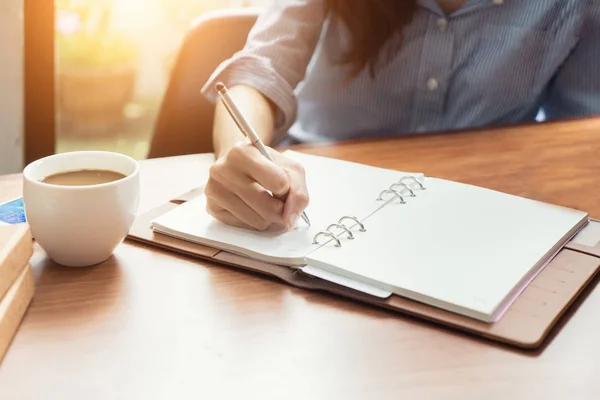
<point>148,324</point>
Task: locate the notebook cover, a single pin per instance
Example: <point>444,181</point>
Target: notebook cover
<point>525,324</point>
<point>16,247</point>
<point>13,307</point>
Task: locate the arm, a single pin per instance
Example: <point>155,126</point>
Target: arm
<point>257,109</point>
<point>273,62</point>
<point>575,90</point>
<point>244,188</point>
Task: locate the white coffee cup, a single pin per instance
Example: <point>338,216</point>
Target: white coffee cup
<point>80,226</point>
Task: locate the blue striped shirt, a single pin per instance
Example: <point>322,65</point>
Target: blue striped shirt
<point>490,62</point>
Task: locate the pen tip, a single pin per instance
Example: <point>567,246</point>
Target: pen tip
<point>305,218</point>
<point>219,86</point>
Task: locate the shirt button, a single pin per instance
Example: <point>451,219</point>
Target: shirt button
<point>442,23</point>
<point>498,2</point>
<point>432,84</point>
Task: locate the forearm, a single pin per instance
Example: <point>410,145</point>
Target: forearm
<point>272,63</point>
<point>256,108</point>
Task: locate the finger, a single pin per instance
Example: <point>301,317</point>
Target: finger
<point>225,216</point>
<point>249,161</point>
<point>296,201</point>
<point>255,196</point>
<point>229,219</point>
<point>261,201</point>
<point>225,199</point>
<point>252,193</point>
<point>298,198</point>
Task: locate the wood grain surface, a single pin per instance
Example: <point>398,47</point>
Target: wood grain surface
<point>152,325</point>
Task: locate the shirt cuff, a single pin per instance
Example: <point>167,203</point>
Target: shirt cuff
<point>256,72</point>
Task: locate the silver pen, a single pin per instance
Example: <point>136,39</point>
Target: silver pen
<point>245,127</point>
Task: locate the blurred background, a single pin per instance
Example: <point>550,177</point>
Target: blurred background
<point>122,52</point>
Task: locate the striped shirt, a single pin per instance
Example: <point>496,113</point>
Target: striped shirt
<point>490,62</point>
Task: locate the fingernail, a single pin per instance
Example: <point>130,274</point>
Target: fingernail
<point>292,221</point>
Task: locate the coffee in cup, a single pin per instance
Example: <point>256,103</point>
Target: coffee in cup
<point>83,177</point>
<point>81,205</point>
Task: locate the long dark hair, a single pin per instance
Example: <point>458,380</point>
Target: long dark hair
<point>371,23</point>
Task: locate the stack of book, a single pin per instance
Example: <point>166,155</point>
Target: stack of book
<point>16,280</point>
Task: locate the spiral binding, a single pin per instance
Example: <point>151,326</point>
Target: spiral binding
<point>412,178</point>
<point>315,239</point>
<point>389,191</point>
<point>393,187</point>
<point>341,226</point>
<point>362,227</point>
<point>392,191</point>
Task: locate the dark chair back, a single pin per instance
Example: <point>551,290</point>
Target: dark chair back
<point>185,120</point>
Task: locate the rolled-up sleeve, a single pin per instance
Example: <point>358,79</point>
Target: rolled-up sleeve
<point>276,55</point>
<point>575,90</point>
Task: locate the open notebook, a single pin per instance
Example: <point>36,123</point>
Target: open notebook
<point>459,247</point>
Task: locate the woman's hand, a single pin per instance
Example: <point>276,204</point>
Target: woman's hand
<point>238,189</point>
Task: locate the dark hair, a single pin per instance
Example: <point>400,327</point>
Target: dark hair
<point>371,23</point>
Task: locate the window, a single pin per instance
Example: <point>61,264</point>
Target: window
<point>113,62</point>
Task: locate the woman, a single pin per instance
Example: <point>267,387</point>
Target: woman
<point>316,70</point>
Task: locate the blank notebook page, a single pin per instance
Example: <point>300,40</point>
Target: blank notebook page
<point>336,189</point>
<point>457,246</point>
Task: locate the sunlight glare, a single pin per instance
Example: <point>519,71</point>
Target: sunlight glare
<point>135,17</point>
